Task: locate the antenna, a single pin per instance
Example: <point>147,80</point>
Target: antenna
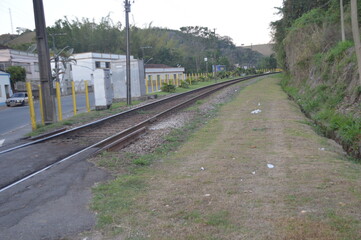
<point>31,48</point>
<point>11,22</point>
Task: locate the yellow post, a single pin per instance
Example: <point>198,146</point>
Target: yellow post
<point>151,82</point>
<point>146,85</point>
<point>156,84</point>
<point>176,80</point>
<point>87,96</point>
<point>74,97</point>
<point>160,84</point>
<point>31,106</point>
<point>41,105</point>
<point>58,98</point>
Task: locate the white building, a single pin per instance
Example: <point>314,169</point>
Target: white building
<point>164,73</point>
<point>89,64</point>
<point>5,89</point>
<point>29,61</point>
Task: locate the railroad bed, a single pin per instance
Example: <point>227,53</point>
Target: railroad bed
<point>25,161</point>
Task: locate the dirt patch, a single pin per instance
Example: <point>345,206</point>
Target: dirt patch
<point>265,175</point>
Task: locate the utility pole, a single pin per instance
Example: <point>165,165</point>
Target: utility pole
<point>342,22</point>
<point>128,81</point>
<point>356,35</point>
<point>44,63</point>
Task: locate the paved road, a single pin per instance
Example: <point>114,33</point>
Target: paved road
<point>15,121</point>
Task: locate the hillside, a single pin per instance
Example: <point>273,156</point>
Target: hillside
<point>264,49</point>
<point>187,47</point>
<point>323,76</point>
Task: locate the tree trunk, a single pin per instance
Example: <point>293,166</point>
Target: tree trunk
<point>356,35</point>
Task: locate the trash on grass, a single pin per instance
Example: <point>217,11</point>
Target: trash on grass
<point>322,149</point>
<point>254,172</point>
<point>256,111</point>
<point>259,104</point>
<point>270,165</point>
<point>207,195</point>
<point>202,168</point>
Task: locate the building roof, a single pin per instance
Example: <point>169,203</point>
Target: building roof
<point>156,66</point>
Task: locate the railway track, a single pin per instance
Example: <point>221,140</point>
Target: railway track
<point>111,133</point>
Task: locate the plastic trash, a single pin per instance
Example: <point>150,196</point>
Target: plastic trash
<point>256,111</point>
<point>322,149</point>
<point>270,165</point>
<point>259,104</point>
<point>202,168</point>
<point>254,172</point>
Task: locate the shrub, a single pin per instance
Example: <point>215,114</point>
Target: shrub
<point>168,88</point>
<point>184,84</point>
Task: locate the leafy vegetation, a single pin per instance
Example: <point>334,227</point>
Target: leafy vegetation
<point>186,47</point>
<point>17,74</point>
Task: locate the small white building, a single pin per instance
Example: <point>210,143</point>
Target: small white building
<point>29,61</point>
<point>89,63</point>
<point>162,72</point>
<point>5,87</point>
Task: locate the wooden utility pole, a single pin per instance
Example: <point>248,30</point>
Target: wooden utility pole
<point>356,35</point>
<point>342,22</point>
<point>44,63</point>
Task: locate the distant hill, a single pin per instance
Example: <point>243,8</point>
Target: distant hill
<point>264,49</point>
<point>27,37</point>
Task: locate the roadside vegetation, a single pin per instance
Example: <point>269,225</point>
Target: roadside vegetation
<point>321,69</point>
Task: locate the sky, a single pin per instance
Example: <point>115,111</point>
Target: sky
<point>245,21</point>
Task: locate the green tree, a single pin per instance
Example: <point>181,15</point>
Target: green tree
<point>17,74</point>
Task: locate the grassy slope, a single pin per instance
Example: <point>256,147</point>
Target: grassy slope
<point>312,193</point>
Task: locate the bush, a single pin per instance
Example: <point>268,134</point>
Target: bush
<point>168,88</point>
<point>184,84</point>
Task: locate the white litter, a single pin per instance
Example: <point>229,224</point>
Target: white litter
<point>270,165</point>
<point>202,168</point>
<point>322,149</point>
<point>254,172</point>
<point>207,195</point>
<point>259,104</point>
<point>256,111</point>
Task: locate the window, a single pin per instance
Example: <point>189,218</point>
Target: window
<point>97,64</point>
<point>107,64</point>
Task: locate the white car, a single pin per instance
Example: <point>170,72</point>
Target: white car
<point>17,99</point>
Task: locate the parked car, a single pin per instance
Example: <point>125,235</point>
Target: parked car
<point>17,99</point>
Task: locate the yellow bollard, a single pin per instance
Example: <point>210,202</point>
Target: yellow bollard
<point>146,85</point>
<point>41,105</point>
<point>87,96</point>
<point>156,84</point>
<point>160,84</point>
<point>74,97</point>
<point>58,98</point>
<point>31,105</point>
<point>151,83</point>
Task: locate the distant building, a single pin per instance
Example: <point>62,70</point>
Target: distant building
<point>164,73</point>
<point>29,61</point>
<point>5,87</point>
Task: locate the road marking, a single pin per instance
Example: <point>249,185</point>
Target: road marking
<point>1,142</point>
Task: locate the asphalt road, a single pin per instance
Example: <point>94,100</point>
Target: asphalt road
<point>15,121</point>
<point>51,205</point>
